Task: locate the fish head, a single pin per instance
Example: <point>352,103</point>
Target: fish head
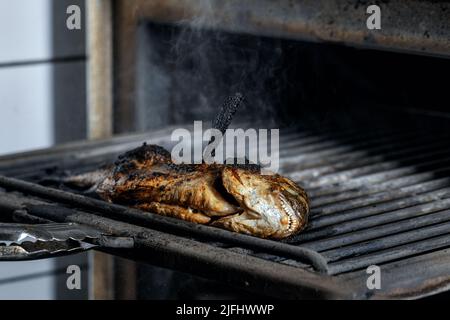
<point>272,206</point>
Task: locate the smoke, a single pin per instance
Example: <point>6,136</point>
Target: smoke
<point>208,64</point>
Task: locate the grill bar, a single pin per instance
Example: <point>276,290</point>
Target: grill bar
<point>379,219</point>
<point>376,233</point>
<point>408,180</point>
<point>389,179</point>
<point>385,145</point>
<point>359,170</point>
<point>357,208</point>
<point>399,252</point>
<point>374,177</point>
<point>326,142</point>
<point>366,162</point>
<point>377,145</point>
<point>398,239</point>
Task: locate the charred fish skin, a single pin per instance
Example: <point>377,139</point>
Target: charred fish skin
<point>147,174</point>
<point>233,197</point>
<point>138,158</point>
<point>165,184</point>
<point>142,157</point>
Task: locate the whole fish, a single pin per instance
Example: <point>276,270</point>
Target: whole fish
<point>233,197</point>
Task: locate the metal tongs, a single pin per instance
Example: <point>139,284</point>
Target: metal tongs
<point>26,242</point>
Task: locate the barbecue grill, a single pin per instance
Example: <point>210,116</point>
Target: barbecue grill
<point>378,197</point>
<point>375,166</point>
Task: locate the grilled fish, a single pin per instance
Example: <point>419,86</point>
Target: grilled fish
<point>233,197</point>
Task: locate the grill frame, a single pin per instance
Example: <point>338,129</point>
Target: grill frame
<point>343,22</point>
<point>259,265</point>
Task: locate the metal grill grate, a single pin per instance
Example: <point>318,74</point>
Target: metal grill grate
<point>376,197</point>
<point>380,191</point>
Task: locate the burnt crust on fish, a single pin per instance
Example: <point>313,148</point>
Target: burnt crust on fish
<point>141,157</point>
<point>168,184</point>
<point>234,197</point>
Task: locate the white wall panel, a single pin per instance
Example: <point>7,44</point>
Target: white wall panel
<point>26,120</point>
<point>27,280</point>
<point>25,30</point>
<point>27,97</point>
<point>25,117</point>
